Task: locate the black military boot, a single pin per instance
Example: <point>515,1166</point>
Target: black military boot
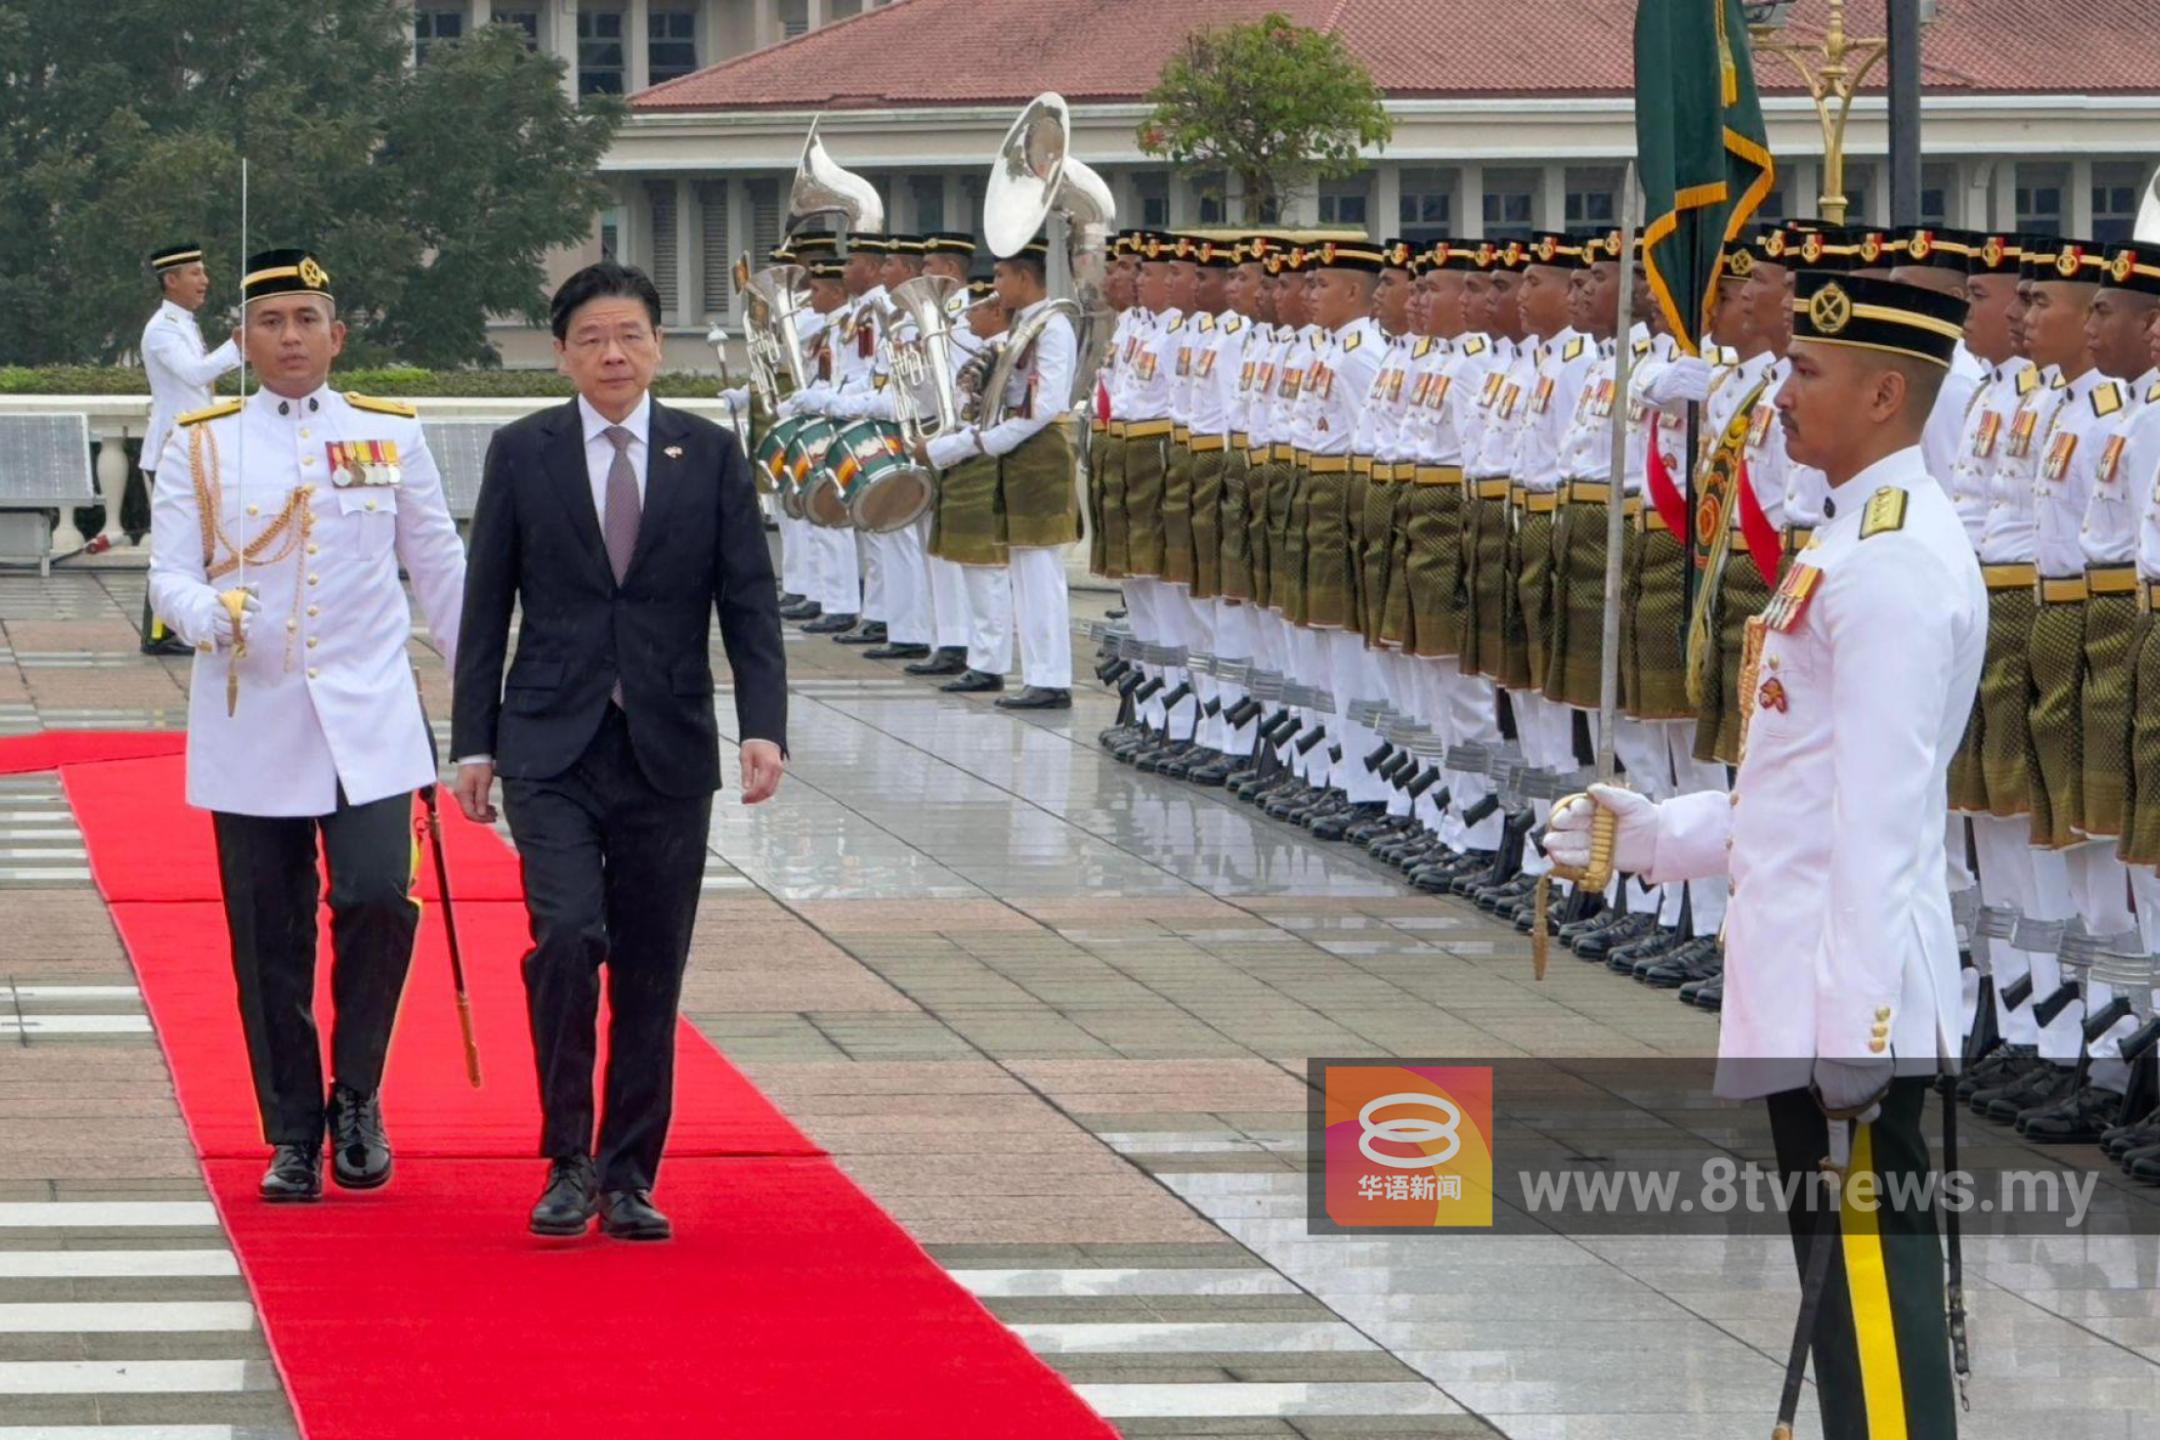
<point>2080,1118</point>
<point>359,1150</point>
<point>294,1176</point>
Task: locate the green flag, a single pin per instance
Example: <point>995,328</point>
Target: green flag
<point>1703,154</point>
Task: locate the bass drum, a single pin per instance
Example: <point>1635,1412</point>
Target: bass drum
<point>770,469</point>
<point>877,481</point>
<point>807,473</point>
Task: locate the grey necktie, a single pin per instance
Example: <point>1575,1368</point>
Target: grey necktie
<point>619,524</point>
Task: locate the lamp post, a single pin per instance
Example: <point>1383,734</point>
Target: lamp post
<point>1834,66</point>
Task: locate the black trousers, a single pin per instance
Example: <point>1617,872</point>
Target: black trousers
<point>612,868</point>
<point>267,868</point>
<point>1882,1338</point>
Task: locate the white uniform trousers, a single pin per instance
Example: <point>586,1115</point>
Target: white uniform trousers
<point>797,568</point>
<point>952,611</point>
<point>908,616</point>
<point>1353,678</point>
<point>1140,618</point>
<point>2008,876</point>
<point>1546,732</point>
<point>988,636</point>
<point>1042,613</point>
<point>1234,640</point>
<point>1194,633</point>
<point>2100,887</point>
<point>876,579</point>
<point>839,577</point>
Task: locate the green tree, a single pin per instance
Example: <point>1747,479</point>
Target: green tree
<point>433,195</point>
<point>1275,104</point>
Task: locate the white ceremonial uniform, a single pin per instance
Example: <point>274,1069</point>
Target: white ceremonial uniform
<point>328,702</point>
<point>903,554</point>
<point>1037,395</point>
<point>1470,702</point>
<point>2140,468</point>
<point>1324,422</point>
<point>1941,441</point>
<point>180,370</point>
<point>1211,406</point>
<point>1839,941</point>
<point>1144,400</point>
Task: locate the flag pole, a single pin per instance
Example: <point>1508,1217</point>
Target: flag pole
<point>1615,508</point>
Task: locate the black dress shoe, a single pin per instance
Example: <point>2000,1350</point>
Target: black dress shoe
<point>947,660</point>
<point>1216,772</point>
<point>167,644</point>
<point>972,682</point>
<point>295,1175</point>
<point>830,625</point>
<point>872,632</point>
<point>1992,1068</point>
<point>568,1203</point>
<point>2049,1084</point>
<point>1037,697</point>
<point>359,1151</point>
<point>1337,826</point>
<point>802,610</point>
<point>1712,995</point>
<point>898,652</point>
<point>789,597</point>
<point>629,1215</point>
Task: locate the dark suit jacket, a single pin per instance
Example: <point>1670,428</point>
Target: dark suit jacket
<point>701,551</point>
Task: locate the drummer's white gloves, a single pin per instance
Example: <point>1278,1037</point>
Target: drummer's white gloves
<point>954,446</point>
<point>1567,835</point>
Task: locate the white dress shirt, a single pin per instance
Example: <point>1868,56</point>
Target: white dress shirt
<point>600,451</point>
<point>180,371</point>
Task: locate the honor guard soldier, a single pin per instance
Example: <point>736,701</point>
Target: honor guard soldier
<point>964,533</point>
<point>281,524</point>
<point>1842,978</point>
<point>181,371</point>
<point>949,254</point>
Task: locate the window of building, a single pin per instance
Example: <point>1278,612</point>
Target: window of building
<point>927,193</point>
<point>2041,190</point>
<point>1592,199</point>
<point>525,20</point>
<point>1426,209</point>
<point>671,44</point>
<point>1510,203</point>
<point>715,265</point>
<point>660,195</point>
<point>1772,207</point>
<point>794,18</point>
<point>2115,194</point>
<point>1937,184</point>
<point>1152,189</point>
<point>1859,194</point>
<point>972,186</point>
<point>434,26</point>
<point>764,198</point>
<point>600,52</point>
<point>1345,202</point>
<point>611,233</point>
<point>1211,190</point>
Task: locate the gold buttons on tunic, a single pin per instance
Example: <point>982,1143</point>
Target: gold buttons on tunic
<point>313,611</point>
<point>314,549</point>
<point>314,579</point>
<point>313,641</point>
<point>311,676</point>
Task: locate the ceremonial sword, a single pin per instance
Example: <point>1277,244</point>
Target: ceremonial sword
<point>1812,1284</point>
<point>457,954</point>
<point>1604,827</point>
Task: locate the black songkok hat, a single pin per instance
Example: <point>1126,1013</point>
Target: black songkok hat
<point>1870,314</point>
<point>283,272</point>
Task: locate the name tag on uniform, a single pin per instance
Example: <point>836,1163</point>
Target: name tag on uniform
<point>1541,397</point>
<point>2058,456</point>
<point>1984,438</point>
<point>1759,424</point>
<point>2021,432</point>
<point>363,462</point>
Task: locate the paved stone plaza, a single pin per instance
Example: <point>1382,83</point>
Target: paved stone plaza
<point>1053,1016</point>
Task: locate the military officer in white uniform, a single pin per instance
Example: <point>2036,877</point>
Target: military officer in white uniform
<point>1842,993</point>
<point>304,716</point>
<point>181,370</point>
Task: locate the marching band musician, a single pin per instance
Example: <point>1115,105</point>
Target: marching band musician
<point>1036,445</point>
<point>949,254</point>
<point>276,555</point>
<point>964,530</point>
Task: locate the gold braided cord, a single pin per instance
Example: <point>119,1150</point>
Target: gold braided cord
<point>288,530</point>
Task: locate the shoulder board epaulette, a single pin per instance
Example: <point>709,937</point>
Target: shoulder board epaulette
<point>1351,341</point>
<point>1234,324</point>
<point>2152,396</point>
<point>2028,380</point>
<point>1179,323</point>
<point>381,407</point>
<point>1424,347</point>
<point>211,412</point>
<point>1475,345</point>
<point>1574,348</point>
<point>1207,322</point>
<point>1729,355</point>
<point>1885,511</point>
<point>1642,347</point>
<point>2060,382</point>
<point>2107,398</point>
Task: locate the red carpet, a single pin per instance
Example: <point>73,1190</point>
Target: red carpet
<point>789,1306</point>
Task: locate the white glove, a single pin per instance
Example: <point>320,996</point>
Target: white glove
<point>1567,834</point>
<point>1853,1089</point>
<point>950,449</point>
<point>224,634</point>
<point>1685,377</point>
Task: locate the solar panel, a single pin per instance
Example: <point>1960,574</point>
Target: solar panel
<point>460,449</point>
<point>45,460</point>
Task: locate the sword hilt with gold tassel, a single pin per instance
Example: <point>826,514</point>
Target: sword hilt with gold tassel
<point>1604,836</point>
<point>235,603</point>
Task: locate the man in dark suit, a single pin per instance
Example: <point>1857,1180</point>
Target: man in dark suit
<point>620,528</point>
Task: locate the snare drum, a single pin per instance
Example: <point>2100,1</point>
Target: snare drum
<point>771,471</point>
<point>814,498</point>
<point>879,483</point>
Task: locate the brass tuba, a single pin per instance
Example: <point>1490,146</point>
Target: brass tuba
<point>922,368</point>
<point>823,187</point>
<point>1035,175</point>
<point>774,302</point>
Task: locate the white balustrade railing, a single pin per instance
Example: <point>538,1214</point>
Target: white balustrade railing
<point>116,419</point>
